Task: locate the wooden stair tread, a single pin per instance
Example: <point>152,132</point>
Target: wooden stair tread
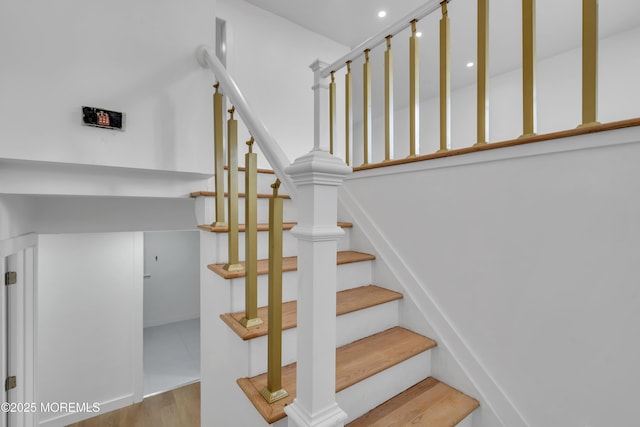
<point>262,227</point>
<point>430,403</point>
<point>355,362</point>
<point>213,194</point>
<point>347,301</point>
<point>289,264</point>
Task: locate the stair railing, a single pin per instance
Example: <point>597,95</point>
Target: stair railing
<point>249,269</point>
<point>589,80</point>
<point>271,150</point>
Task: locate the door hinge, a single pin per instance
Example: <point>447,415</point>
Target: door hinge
<point>10,383</point>
<point>10,278</point>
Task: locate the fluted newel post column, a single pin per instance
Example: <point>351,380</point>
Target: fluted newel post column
<point>317,176</point>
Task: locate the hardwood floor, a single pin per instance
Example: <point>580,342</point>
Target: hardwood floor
<point>175,408</point>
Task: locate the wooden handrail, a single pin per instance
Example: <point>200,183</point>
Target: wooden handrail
<point>272,151</point>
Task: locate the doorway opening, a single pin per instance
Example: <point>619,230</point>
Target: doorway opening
<point>171,310</point>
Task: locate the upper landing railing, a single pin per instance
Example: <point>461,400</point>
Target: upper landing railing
<point>589,83</point>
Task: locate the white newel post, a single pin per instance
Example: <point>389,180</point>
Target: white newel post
<point>317,176</point>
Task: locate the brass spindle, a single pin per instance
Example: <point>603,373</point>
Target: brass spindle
<point>528,67</point>
<point>332,111</point>
<point>274,391</point>
<point>483,71</point>
<point>218,149</point>
<point>589,63</point>
<point>366,111</point>
<point>348,102</point>
<point>251,238</point>
<point>388,101</point>
<point>445,80</point>
<point>232,200</point>
<point>414,91</point>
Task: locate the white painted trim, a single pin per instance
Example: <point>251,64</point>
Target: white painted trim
<point>55,178</point>
<point>448,336</point>
<point>17,244</point>
<point>70,418</point>
<point>332,416</point>
<point>30,331</point>
<point>137,319</point>
<point>573,143</point>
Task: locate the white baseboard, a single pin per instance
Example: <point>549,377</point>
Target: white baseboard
<point>447,335</point>
<point>174,319</point>
<point>62,420</point>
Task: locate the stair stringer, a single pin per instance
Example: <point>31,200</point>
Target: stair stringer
<point>418,306</point>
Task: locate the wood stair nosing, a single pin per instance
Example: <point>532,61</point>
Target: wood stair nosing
<point>241,195</point>
<point>355,362</point>
<point>428,403</point>
<point>290,264</point>
<point>347,301</point>
<point>261,227</point>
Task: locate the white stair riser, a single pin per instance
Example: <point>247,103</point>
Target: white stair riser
<point>264,182</point>
<point>360,398</point>
<point>289,245</point>
<point>353,275</point>
<point>357,273</point>
<point>205,210</point>
<point>349,328</point>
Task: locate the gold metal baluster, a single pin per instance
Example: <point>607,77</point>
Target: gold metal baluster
<point>528,67</point>
<point>445,81</point>
<point>251,238</point>
<point>366,111</point>
<point>388,101</point>
<point>232,164</point>
<point>589,63</point>
<point>348,102</point>
<point>483,71</point>
<point>332,111</point>
<point>218,149</point>
<point>274,391</point>
<point>414,91</point>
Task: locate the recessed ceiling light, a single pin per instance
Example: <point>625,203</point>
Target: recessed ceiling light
<point>418,34</point>
<point>382,14</point>
<point>470,64</point>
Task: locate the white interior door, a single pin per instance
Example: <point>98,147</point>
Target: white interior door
<point>3,340</point>
<point>17,333</point>
<point>15,337</point>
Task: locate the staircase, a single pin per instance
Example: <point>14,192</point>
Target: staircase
<point>383,371</point>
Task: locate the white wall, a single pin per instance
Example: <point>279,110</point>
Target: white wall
<point>89,321</point>
<point>135,57</point>
<point>269,58</point>
<point>16,216</point>
<point>172,292</point>
<point>558,101</point>
<point>525,262</point>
